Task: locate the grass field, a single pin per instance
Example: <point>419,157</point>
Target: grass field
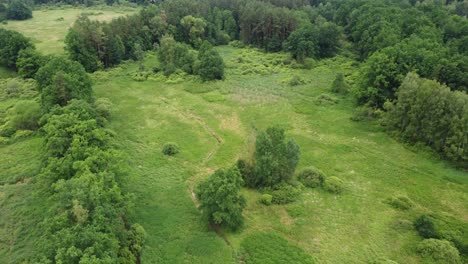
<point>214,123</point>
<point>354,227</point>
<point>48,27</point>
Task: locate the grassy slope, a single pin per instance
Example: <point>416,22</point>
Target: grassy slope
<point>48,27</point>
<point>353,227</point>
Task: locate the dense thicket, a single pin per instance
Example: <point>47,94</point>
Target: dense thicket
<point>88,219</point>
<point>428,112</point>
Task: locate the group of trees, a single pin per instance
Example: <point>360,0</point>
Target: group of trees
<point>428,112</point>
<point>88,221</point>
<point>15,10</point>
<point>272,167</point>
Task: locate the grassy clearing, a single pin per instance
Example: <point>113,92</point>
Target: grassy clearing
<point>48,27</point>
<point>354,227</point>
<point>215,123</point>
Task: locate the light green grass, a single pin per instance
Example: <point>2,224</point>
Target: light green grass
<point>48,27</point>
<point>354,227</point>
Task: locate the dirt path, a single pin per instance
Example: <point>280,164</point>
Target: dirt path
<point>203,170</point>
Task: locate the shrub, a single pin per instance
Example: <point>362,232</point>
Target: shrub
<point>339,84</point>
<point>325,99</point>
<point>284,193</point>
<point>266,199</point>
<point>295,81</point>
<point>25,115</point>
<point>170,149</point>
<point>425,226</point>
<point>334,185</point>
<point>439,251</point>
<point>400,202</point>
<point>311,177</point>
<point>103,107</point>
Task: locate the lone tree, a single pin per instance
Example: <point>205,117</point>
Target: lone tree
<point>275,158</point>
<point>220,198</point>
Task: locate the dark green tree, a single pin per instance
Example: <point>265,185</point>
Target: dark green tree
<point>11,43</point>
<point>18,10</point>
<point>275,158</point>
<point>28,63</point>
<point>211,64</point>
<point>61,80</point>
<point>220,198</point>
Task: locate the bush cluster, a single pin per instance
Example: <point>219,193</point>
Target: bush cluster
<point>439,251</point>
<point>334,185</point>
<point>312,177</point>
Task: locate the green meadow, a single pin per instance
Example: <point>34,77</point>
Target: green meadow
<point>215,123</point>
<point>48,27</point>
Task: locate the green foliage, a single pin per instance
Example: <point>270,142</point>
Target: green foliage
<point>430,113</point>
<point>174,55</point>
<point>283,193</point>
<point>84,226</point>
<point>275,158</point>
<point>11,43</point>
<point>339,85</point>
<point>311,177</point>
<point>103,108</point>
<point>211,64</point>
<point>220,198</point>
<point>170,149</point>
<point>444,227</point>
<point>295,81</point>
<point>269,248</point>
<point>334,185</point>
<point>193,30</point>
<point>28,63</point>
<point>25,115</point>
<point>61,80</point>
<point>439,251</point>
<point>266,199</point>
<point>247,171</point>
<point>318,41</point>
<point>325,99</point>
<point>425,226</point>
<point>18,10</point>
<point>400,202</point>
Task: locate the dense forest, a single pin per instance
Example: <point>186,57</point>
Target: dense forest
<point>411,78</point>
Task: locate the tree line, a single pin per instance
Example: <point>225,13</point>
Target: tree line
<point>89,219</point>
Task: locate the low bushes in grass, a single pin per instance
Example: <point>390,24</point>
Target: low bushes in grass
<point>170,149</point>
<point>444,227</point>
<point>438,251</point>
<point>325,99</point>
<point>400,202</point>
<point>334,185</point>
<point>311,177</point>
<point>266,199</point>
<point>283,193</point>
<point>268,248</point>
